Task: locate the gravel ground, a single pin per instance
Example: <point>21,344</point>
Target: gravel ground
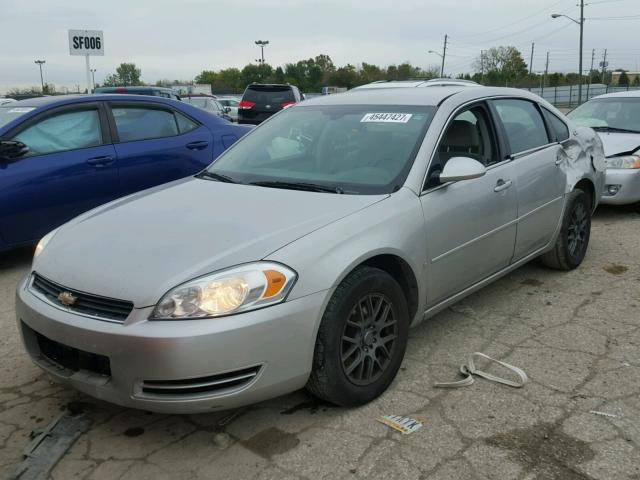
<point>576,334</point>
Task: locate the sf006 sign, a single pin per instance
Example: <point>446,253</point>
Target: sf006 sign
<point>86,42</point>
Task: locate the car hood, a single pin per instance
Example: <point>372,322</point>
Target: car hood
<point>139,247</point>
<point>619,143</point>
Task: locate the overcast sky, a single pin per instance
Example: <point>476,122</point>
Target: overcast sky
<point>179,38</point>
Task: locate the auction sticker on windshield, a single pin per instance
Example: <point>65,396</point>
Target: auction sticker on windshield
<point>387,117</point>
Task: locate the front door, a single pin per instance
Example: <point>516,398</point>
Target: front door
<point>471,224</point>
<point>71,167</point>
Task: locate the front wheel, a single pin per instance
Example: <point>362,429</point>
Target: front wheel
<point>361,340</point>
<point>573,239</point>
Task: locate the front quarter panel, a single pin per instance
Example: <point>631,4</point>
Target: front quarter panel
<point>325,257</point>
<point>585,158</point>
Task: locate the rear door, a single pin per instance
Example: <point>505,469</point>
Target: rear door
<point>71,167</point>
<point>156,144</point>
<point>537,158</point>
<point>259,102</point>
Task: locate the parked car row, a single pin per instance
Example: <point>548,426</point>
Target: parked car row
<point>303,254</point>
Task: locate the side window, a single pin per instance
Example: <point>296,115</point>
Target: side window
<point>185,124</point>
<point>140,123</point>
<point>65,131</point>
<point>558,128</point>
<point>470,134</point>
<point>523,124</point>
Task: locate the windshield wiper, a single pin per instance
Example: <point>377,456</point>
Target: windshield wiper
<point>216,176</point>
<point>614,129</point>
<point>308,187</point>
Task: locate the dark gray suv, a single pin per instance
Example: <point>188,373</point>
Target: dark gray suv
<point>260,101</point>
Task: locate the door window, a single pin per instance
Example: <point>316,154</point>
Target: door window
<point>559,129</point>
<point>62,132</point>
<point>185,124</point>
<point>140,123</point>
<point>523,124</point>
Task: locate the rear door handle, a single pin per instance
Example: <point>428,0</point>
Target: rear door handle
<point>201,145</point>
<point>502,185</point>
<point>101,161</point>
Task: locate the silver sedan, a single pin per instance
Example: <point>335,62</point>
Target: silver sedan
<point>302,256</point>
<point>616,118</point>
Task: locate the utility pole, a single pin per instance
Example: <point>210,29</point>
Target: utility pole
<point>544,78</point>
<point>444,55</point>
<point>593,56</point>
<point>40,63</point>
<point>262,44</point>
<point>531,60</point>
<point>604,66</point>
<point>581,43</point>
<point>93,78</point>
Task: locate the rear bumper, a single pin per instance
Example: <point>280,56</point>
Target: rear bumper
<point>628,181</point>
<point>275,343</point>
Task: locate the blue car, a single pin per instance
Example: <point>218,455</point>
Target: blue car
<point>61,156</point>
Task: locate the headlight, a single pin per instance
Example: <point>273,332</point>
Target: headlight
<point>235,290</point>
<point>626,161</point>
<point>44,241</point>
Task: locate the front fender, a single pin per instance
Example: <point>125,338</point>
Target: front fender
<point>324,258</point>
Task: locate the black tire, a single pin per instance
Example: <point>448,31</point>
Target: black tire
<point>573,240</point>
<point>636,207</point>
<point>342,378</point>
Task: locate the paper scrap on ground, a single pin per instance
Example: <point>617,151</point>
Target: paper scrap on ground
<point>405,425</point>
<point>603,414</point>
<point>469,370</point>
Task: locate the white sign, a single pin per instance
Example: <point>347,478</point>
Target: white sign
<point>387,117</point>
<point>86,42</point>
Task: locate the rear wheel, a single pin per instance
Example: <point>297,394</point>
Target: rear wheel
<point>573,240</point>
<point>362,339</point>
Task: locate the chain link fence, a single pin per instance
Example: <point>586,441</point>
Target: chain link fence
<point>567,96</point>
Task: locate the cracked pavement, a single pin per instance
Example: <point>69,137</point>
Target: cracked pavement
<point>576,334</point>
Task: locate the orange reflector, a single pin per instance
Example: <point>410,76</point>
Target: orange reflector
<point>275,282</point>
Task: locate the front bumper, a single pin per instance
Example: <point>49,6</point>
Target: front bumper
<point>629,181</point>
<point>277,342</point>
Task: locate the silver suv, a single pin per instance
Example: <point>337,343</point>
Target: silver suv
<point>302,256</point>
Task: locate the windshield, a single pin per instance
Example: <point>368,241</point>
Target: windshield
<point>8,113</point>
<point>346,148</point>
<point>615,113</point>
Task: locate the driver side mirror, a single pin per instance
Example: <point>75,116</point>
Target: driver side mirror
<point>461,168</point>
<point>12,150</point>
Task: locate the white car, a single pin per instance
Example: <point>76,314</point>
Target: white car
<point>232,104</point>
<point>434,82</point>
<point>616,118</point>
<point>5,101</point>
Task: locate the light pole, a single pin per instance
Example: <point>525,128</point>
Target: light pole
<point>93,78</point>
<point>262,44</point>
<point>40,63</point>
<point>443,55</point>
<point>580,23</point>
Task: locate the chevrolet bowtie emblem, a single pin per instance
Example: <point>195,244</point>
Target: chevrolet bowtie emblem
<point>67,298</point>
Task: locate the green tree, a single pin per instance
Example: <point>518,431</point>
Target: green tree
<point>344,77</point>
<point>206,77</point>
<point>128,74</point>
<point>502,65</point>
<point>623,79</point>
<point>636,81</point>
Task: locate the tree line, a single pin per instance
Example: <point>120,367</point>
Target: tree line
<point>497,66</point>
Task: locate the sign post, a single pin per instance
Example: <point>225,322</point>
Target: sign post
<point>87,43</point>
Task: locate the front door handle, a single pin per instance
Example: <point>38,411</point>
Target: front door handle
<point>197,145</point>
<point>502,185</point>
<point>101,161</point>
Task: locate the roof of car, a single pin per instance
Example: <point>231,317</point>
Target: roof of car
<point>392,96</point>
<point>416,83</point>
<point>628,94</point>
<point>64,99</point>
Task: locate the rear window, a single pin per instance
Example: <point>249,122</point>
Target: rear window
<point>269,95</point>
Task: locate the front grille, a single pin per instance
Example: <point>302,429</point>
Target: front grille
<point>87,304</point>
<point>210,384</point>
<point>72,358</point>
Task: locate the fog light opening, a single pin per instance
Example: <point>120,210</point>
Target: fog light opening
<point>613,189</point>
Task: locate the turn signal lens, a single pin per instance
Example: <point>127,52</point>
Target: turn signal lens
<point>275,282</point>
